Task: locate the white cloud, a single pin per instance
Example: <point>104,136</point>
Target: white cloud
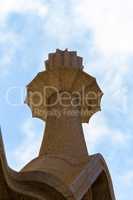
<point>29,146</point>
<point>9,42</point>
<point>95,132</point>
<point>61,24</point>
<point>99,131</point>
<point>127,178</point>
<point>22,6</point>
<point>111,23</point>
<point>116,91</point>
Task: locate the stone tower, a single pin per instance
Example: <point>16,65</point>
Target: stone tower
<point>63,96</point>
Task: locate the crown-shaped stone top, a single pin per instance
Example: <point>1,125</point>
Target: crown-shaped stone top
<point>64,59</point>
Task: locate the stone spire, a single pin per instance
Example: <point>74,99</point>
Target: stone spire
<point>64,96</point>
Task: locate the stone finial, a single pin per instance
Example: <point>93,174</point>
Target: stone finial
<point>64,59</point>
<point>64,74</point>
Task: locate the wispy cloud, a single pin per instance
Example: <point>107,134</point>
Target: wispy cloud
<point>28,148</point>
<point>127,178</point>
<point>111,23</point>
<point>34,7</point>
<point>99,131</point>
<point>9,42</point>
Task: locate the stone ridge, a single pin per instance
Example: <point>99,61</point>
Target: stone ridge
<point>61,59</point>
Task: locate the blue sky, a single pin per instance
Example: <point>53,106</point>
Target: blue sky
<point>102,33</point>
